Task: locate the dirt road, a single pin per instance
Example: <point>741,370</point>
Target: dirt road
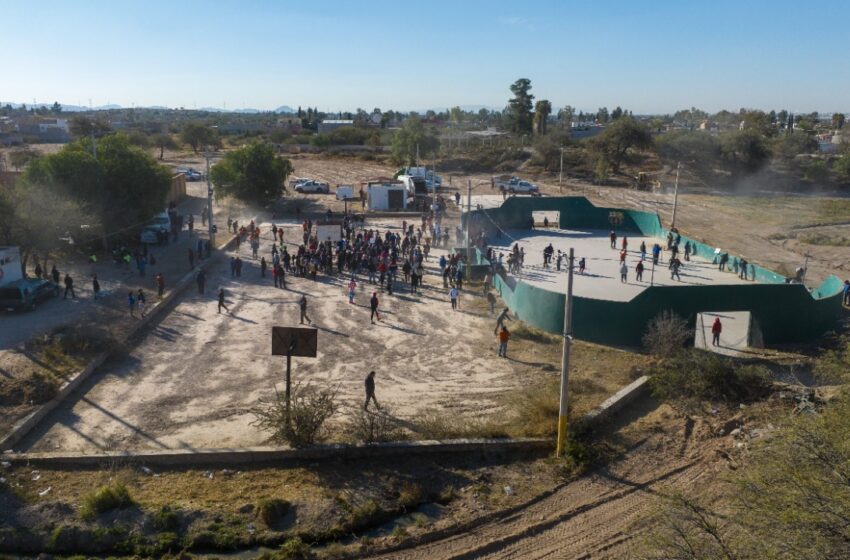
<point>601,515</point>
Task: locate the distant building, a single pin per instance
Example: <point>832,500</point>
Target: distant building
<point>329,125</point>
<point>48,130</point>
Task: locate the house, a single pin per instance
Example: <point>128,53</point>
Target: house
<point>329,125</point>
<point>48,130</point>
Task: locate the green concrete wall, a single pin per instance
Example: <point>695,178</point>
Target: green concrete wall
<point>785,312</point>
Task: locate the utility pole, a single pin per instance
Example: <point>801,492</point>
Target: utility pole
<point>209,206</point>
<point>561,172</point>
<point>563,417</point>
<point>675,196</point>
<point>468,216</point>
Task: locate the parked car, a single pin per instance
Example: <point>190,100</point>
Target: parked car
<point>297,181</point>
<point>151,232</point>
<point>312,186</point>
<point>514,185</point>
<point>25,293</point>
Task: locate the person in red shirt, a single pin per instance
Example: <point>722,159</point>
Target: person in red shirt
<point>504,336</point>
<point>716,329</point>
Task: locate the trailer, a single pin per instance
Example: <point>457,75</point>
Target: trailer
<point>10,265</point>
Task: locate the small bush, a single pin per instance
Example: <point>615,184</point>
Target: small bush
<point>311,409</point>
<point>439,427</point>
<point>446,495</point>
<point>399,532</point>
<point>271,510</point>
<point>420,520</point>
<point>365,514</point>
<point>370,427</point>
<point>166,519</point>
<point>666,334</point>
<point>409,496</point>
<point>698,375</point>
<point>106,498</point>
<point>295,549</point>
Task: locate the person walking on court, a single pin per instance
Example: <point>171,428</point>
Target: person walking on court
<point>140,303</point>
<point>624,272</point>
<point>221,301</point>
<point>160,284</point>
<point>675,264</point>
<point>373,305</point>
<point>370,391</point>
<point>69,287</point>
<point>453,295</point>
<point>504,336</point>
<point>639,271</point>
<point>131,301</point>
<point>302,304</point>
<point>613,237</point>
<point>716,329</point>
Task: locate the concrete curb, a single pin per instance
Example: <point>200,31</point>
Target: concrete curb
<point>279,457</point>
<point>259,455</point>
<point>618,401</point>
<point>26,424</point>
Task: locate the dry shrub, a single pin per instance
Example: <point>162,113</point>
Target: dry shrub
<point>666,334</point>
<point>442,427</point>
<point>311,408</point>
<point>536,408</point>
<point>371,427</point>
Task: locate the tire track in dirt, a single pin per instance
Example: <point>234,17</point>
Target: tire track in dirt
<point>593,517</point>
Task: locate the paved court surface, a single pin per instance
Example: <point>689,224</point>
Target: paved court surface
<point>602,276</point>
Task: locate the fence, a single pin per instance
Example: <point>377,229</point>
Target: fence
<point>784,312</point>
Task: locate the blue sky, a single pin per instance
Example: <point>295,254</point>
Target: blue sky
<point>648,56</point>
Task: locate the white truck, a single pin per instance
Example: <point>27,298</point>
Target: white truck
<point>10,265</point>
<point>515,185</point>
<point>312,186</point>
<point>432,181</point>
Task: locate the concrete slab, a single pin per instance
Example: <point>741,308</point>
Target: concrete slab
<point>601,279</point>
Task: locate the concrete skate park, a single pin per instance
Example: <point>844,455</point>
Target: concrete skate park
<point>765,309</point>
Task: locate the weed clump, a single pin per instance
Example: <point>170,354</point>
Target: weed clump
<point>106,498</point>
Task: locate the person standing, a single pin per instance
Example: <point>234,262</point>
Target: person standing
<point>639,271</point>
<point>716,329</point>
<point>582,265</point>
<point>140,302</point>
<point>95,286</point>
<point>131,302</point>
<point>352,287</point>
<point>675,264</point>
<point>263,267</point>
<point>54,274</point>
<point>500,320</point>
<point>191,254</point>
<point>238,267</point>
<point>491,299</point>
<point>743,274</point>
<point>302,304</point>
<point>221,301</point>
<point>624,272</point>
<point>373,305</point>
<point>643,250</point>
<point>160,285</point>
<point>69,286</point>
<point>453,295</point>
<point>613,237</point>
<point>504,336</point>
<point>201,279</point>
<point>846,292</point>
<point>370,391</point>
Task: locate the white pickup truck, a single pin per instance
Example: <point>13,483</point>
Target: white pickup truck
<point>513,185</point>
<point>312,186</point>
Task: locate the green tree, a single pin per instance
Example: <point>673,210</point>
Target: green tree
<point>566,116</point>
<point>602,115</point>
<point>542,110</point>
<point>123,188</point>
<point>456,115</point>
<point>842,167</point>
<point>254,174</point>
<point>797,142</point>
<point>406,139</point>
<point>745,149</point>
<point>40,219</point>
<point>624,134</point>
<point>519,107</point>
<point>616,113</point>
<point>163,141</point>
<point>84,127</point>
<point>696,148</point>
<point>838,120</point>
<point>198,135</point>
<point>57,108</point>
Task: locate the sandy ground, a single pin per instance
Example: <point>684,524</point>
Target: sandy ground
<point>601,279</point>
<point>190,382</point>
